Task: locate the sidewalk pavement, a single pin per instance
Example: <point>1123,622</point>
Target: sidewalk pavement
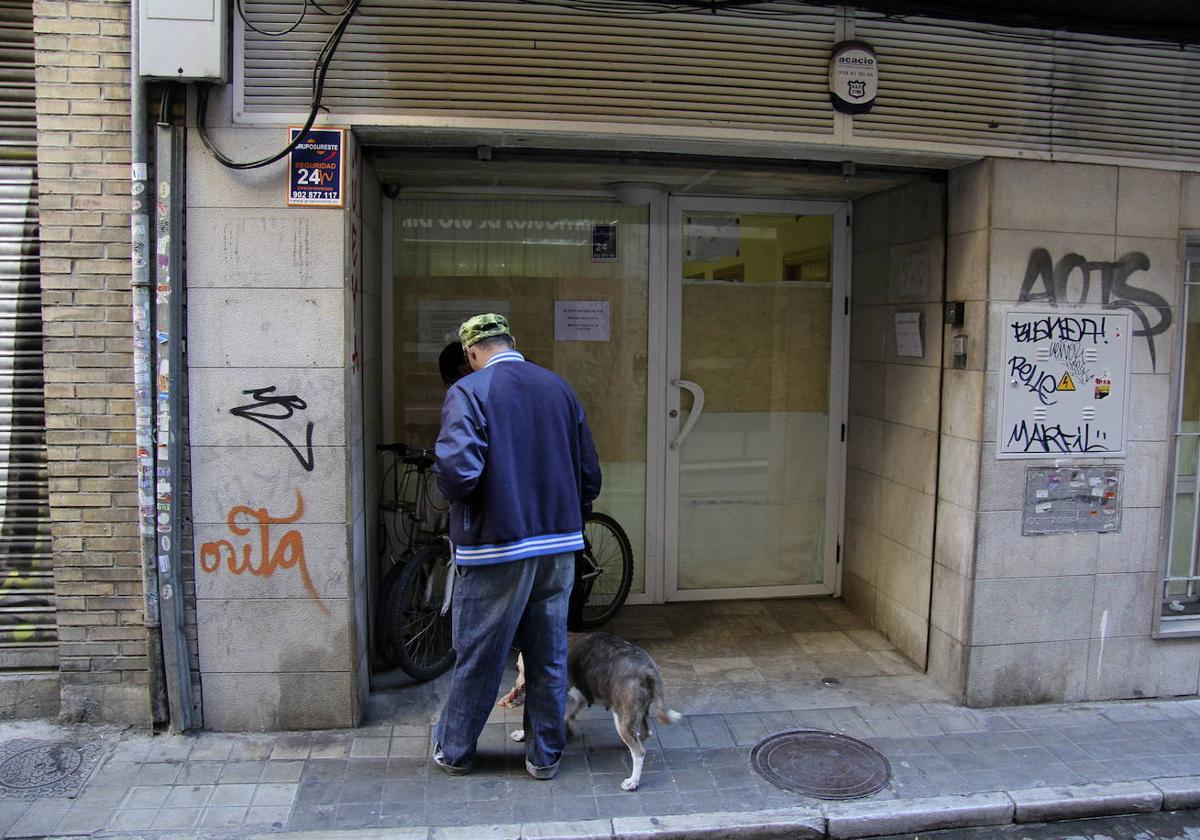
<point>951,766</point>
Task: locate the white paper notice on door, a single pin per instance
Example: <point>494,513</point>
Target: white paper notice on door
<point>581,320</point>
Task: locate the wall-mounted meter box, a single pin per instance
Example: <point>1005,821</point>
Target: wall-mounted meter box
<point>1065,383</point>
<point>184,40</point>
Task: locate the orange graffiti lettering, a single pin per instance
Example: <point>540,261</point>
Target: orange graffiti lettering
<point>288,552</point>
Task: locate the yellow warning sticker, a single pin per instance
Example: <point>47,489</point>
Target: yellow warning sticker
<point>1066,383</point>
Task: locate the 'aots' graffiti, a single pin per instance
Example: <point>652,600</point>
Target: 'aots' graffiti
<point>1115,290</point>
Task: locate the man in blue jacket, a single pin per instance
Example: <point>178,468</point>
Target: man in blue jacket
<point>516,460</point>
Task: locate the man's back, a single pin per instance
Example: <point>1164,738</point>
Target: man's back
<point>516,459</point>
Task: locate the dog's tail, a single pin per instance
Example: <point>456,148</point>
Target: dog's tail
<point>665,715</point>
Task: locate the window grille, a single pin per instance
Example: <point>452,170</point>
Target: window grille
<point>1181,584</point>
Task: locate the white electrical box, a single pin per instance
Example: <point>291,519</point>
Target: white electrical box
<point>1064,383</point>
<point>184,40</point>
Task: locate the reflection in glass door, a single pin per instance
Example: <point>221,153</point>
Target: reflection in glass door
<point>754,452</point>
<point>533,259</point>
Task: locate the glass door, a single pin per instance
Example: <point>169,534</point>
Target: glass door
<point>755,396</point>
<point>571,273</point>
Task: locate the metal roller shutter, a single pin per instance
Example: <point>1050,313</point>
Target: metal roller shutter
<point>27,621</point>
<point>957,82</point>
<point>513,61</point>
<point>963,87</point>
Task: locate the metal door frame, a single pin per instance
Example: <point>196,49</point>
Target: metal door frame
<point>667,297</point>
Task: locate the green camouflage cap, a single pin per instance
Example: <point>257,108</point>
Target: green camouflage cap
<point>482,326</point>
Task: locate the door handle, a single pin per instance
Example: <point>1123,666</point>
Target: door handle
<point>697,406</point>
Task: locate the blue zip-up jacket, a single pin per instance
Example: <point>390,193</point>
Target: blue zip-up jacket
<point>516,460</point>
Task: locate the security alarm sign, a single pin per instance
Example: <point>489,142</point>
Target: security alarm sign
<point>1064,383</point>
<point>315,171</point>
<point>853,77</point>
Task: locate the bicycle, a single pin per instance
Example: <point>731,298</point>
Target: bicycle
<point>413,623</point>
<point>607,573</point>
<point>414,620</point>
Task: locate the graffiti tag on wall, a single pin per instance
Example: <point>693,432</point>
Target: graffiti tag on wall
<point>255,552</point>
<point>1051,282</point>
<point>1064,383</point>
<point>270,407</point>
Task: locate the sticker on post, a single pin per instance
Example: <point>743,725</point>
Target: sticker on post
<point>316,175</point>
<point>604,243</point>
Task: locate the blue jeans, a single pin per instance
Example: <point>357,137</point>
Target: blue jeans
<point>525,601</point>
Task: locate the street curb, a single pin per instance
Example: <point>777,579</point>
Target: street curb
<point>1179,792</point>
<point>842,820</point>
<point>577,830</point>
<point>760,825</point>
<point>1070,802</point>
<point>897,816</point>
<point>345,834</point>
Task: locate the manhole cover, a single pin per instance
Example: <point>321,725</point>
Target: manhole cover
<point>45,768</point>
<point>821,764</point>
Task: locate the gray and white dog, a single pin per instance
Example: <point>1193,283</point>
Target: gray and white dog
<point>602,667</point>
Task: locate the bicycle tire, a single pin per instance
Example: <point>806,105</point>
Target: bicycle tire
<point>609,548</point>
<point>383,612</point>
<point>416,636</point>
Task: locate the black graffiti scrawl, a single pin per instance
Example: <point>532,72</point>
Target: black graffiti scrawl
<point>271,407</point>
<point>1115,290</point>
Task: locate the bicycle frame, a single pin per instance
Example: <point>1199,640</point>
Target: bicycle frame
<point>408,464</point>
<point>591,570</point>
<point>413,606</point>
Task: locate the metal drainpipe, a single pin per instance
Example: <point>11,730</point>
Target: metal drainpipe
<point>168,389</point>
<point>143,393</point>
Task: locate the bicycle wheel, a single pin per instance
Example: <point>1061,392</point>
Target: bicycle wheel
<point>416,636</point>
<point>383,614</point>
<point>608,570</point>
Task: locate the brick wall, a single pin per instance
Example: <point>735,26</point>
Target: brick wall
<point>82,53</point>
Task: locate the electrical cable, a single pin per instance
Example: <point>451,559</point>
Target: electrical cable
<point>242,14</point>
<point>320,69</point>
<point>658,8</point>
<point>768,10</point>
<point>165,105</point>
<point>299,20</point>
<point>325,11</point>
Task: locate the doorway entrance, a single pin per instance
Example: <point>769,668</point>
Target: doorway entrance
<point>706,340</point>
<point>755,390</point>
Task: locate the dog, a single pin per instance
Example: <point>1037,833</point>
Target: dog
<point>622,676</point>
